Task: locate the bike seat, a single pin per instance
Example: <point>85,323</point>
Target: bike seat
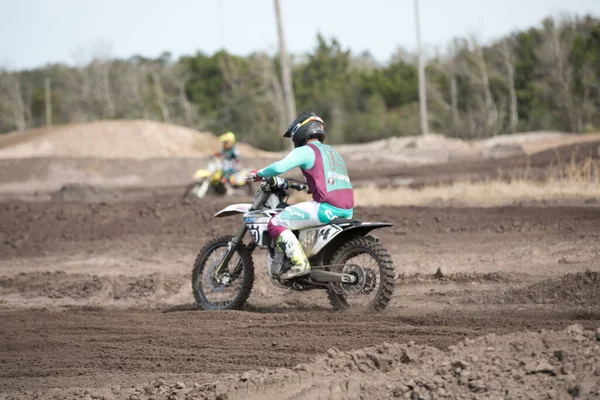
<point>338,221</point>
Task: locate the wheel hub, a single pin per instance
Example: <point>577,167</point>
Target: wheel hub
<point>359,279</point>
<point>217,283</point>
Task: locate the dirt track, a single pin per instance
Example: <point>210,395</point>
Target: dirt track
<point>96,295</point>
<point>50,173</point>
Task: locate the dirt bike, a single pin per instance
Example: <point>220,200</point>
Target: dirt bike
<point>209,179</point>
<point>225,265</point>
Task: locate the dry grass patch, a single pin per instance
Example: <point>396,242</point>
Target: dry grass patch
<point>485,194</point>
<point>488,193</point>
<point>562,182</point>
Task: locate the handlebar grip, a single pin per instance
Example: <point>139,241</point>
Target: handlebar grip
<point>298,186</point>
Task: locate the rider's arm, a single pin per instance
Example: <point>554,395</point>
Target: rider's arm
<point>303,157</point>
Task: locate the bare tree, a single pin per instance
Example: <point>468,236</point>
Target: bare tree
<point>588,109</point>
<point>140,88</point>
<point>48,101</point>
<point>11,90</point>
<point>160,97</point>
<point>105,88</point>
<point>96,91</point>
<point>253,99</point>
<point>435,93</point>
<point>181,76</point>
<point>98,85</point>
<point>451,70</point>
<point>272,88</point>
<point>483,80</point>
<point>130,89</point>
<point>507,54</point>
<point>454,99</point>
<point>556,72</point>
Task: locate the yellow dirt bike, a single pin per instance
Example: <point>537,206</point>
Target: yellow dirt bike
<point>209,179</point>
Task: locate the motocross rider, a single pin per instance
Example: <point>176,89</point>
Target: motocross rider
<point>231,157</point>
<point>327,180</point>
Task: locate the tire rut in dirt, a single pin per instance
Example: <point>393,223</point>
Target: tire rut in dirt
<point>30,229</point>
<point>81,345</point>
<point>78,287</point>
<point>579,289</point>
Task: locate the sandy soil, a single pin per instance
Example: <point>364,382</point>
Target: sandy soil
<point>116,139</point>
<point>95,301</point>
<point>48,174</point>
<point>150,154</point>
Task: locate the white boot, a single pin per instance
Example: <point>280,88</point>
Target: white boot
<point>290,245</point>
<point>228,189</point>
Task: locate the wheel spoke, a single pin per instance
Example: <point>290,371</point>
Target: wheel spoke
<point>372,266</point>
<point>231,286</point>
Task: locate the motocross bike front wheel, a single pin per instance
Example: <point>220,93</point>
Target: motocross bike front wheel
<point>250,188</point>
<point>197,189</point>
<point>229,289</point>
<point>370,263</point>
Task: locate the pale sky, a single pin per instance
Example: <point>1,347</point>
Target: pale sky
<point>35,32</point>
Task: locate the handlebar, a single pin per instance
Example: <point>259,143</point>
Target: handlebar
<point>298,186</point>
<point>284,183</point>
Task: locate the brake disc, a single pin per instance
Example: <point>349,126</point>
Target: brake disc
<point>350,289</point>
<point>216,284</point>
<point>370,282</point>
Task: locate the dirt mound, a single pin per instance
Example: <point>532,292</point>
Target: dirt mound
<point>435,149</point>
<point>416,150</point>
<point>534,142</point>
<point>522,138</point>
<point>582,288</point>
<point>60,285</point>
<point>82,192</point>
<point>459,277</point>
<point>557,364</point>
<point>139,139</point>
<point>553,364</point>
<point>117,320</point>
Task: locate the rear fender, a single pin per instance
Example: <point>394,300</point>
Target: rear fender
<point>233,209</point>
<point>349,231</point>
<point>363,228</point>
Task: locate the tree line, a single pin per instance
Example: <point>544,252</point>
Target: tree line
<point>546,77</point>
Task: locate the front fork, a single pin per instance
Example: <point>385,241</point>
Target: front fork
<point>237,240</point>
<point>233,245</point>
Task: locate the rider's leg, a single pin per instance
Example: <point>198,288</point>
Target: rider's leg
<point>298,216</point>
<point>226,180</point>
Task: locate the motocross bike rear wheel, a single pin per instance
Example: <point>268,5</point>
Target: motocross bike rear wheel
<point>228,290</point>
<point>372,265</point>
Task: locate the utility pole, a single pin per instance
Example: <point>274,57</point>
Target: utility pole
<point>286,72</point>
<point>221,23</point>
<point>48,102</point>
<point>421,67</point>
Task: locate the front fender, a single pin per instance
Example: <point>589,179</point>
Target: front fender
<point>233,209</point>
<point>201,174</point>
